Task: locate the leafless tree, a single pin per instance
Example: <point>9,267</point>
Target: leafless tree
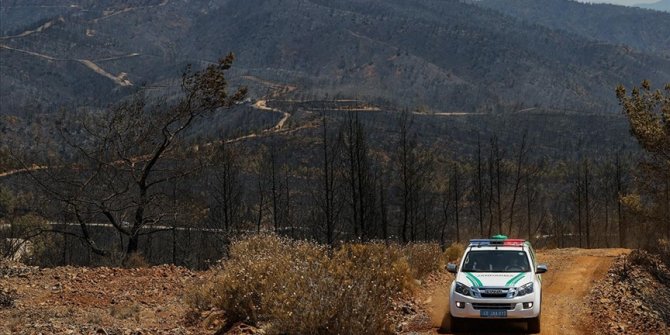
<point>414,167</point>
<point>480,188</point>
<point>226,189</point>
<point>359,176</point>
<point>518,178</point>
<point>327,196</point>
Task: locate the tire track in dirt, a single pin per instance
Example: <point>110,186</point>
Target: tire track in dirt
<point>566,289</point>
<point>566,286</point>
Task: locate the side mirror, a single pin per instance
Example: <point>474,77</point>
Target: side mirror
<point>451,267</point>
<point>541,268</point>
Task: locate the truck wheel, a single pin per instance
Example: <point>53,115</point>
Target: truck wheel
<point>534,325</point>
<point>455,324</point>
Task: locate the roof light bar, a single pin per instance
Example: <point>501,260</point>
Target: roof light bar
<point>496,241</point>
<point>478,242</point>
<point>514,241</point>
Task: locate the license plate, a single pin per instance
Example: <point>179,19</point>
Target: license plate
<point>493,313</point>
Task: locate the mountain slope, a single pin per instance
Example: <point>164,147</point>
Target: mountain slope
<point>643,30</point>
<point>663,5</point>
<point>445,55</point>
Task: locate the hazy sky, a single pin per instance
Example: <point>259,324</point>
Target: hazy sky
<point>621,2</point>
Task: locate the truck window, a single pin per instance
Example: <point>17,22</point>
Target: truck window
<point>496,261</point>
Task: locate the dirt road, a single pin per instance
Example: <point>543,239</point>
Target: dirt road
<point>80,300</point>
<point>565,289</point>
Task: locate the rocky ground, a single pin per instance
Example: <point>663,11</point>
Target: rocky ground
<point>634,298</point>
<point>75,300</point>
<point>580,297</point>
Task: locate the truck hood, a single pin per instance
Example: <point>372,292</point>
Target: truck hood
<point>494,279</point>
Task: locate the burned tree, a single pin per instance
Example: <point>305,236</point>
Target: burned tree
<point>117,167</point>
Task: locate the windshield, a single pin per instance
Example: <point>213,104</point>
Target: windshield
<point>496,261</point>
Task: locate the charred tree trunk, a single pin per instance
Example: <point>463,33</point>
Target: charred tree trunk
<point>587,203</point>
<point>480,195</point>
<point>456,205</point>
<point>619,190</point>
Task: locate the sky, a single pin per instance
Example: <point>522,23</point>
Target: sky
<point>621,2</point>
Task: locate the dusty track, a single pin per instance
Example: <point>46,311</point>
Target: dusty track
<point>110,300</point>
<point>565,297</point>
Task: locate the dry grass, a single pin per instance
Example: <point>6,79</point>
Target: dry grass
<point>454,252</point>
<point>125,311</point>
<point>94,317</point>
<point>424,258</point>
<point>297,287</point>
<point>14,322</point>
<point>663,249</point>
<point>135,261</point>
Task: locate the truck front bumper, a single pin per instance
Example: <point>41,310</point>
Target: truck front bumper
<point>525,307</point>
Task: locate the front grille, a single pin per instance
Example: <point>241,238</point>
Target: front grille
<point>508,307</point>
<point>494,292</point>
<point>494,295</point>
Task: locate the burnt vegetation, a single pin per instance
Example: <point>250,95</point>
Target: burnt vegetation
<point>107,186</point>
<point>319,179</point>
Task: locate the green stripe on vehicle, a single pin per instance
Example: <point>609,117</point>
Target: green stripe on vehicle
<point>471,281</point>
<point>474,280</point>
<point>515,279</point>
<point>518,279</point>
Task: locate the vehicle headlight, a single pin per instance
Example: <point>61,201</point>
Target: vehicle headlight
<point>462,289</point>
<point>525,289</point>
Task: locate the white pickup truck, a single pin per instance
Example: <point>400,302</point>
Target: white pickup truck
<point>497,278</point>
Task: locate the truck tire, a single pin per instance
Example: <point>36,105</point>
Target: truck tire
<point>455,324</point>
<point>534,325</point>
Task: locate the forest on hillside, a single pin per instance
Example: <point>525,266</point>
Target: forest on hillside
<point>138,179</point>
<point>124,132</point>
<point>445,56</point>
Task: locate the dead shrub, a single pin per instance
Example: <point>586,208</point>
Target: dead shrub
<point>125,311</point>
<point>368,276</point>
<point>199,296</point>
<point>424,258</point>
<point>454,252</point>
<point>270,279</point>
<point>297,287</point>
<point>136,260</point>
<point>652,263</point>
<point>94,318</point>
<point>662,248</point>
<point>6,298</point>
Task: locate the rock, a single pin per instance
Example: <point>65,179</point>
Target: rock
<point>407,309</point>
<point>6,299</point>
